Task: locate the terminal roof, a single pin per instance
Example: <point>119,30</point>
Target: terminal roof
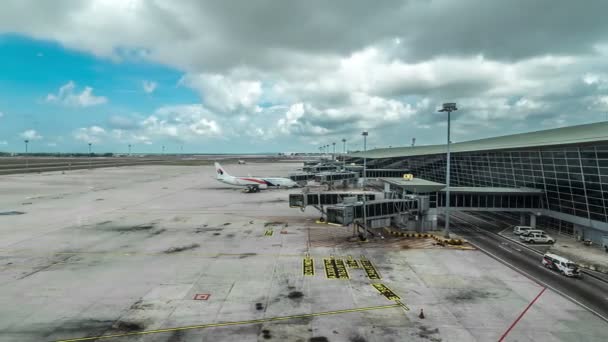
<point>552,137</point>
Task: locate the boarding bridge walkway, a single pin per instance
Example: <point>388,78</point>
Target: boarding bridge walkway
<point>320,199</point>
<point>468,198</point>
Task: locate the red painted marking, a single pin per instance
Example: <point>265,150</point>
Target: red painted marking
<point>254,180</point>
<point>502,338</point>
<point>201,296</point>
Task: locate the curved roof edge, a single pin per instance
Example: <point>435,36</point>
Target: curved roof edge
<point>587,133</point>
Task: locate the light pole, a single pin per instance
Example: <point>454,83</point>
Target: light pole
<point>27,161</point>
<point>163,150</point>
<point>129,150</point>
<point>448,107</point>
<point>333,157</point>
<point>364,134</point>
<point>90,156</point>
<point>344,153</point>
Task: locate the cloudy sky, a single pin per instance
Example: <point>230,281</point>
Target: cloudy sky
<point>271,76</point>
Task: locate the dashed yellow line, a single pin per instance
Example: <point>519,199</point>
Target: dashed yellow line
<point>224,324</point>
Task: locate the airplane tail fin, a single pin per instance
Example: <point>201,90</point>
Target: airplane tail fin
<point>220,172</point>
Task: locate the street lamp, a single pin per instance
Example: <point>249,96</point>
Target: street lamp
<point>333,157</point>
<point>448,107</point>
<point>344,153</point>
<point>90,156</point>
<point>27,161</point>
<point>364,134</point>
<point>129,150</point>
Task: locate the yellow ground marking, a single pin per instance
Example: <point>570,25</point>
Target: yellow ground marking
<point>224,324</point>
<point>352,263</point>
<point>402,305</point>
<point>386,292</point>
<point>335,268</point>
<point>268,232</point>
<point>308,266</point>
<point>369,269</point>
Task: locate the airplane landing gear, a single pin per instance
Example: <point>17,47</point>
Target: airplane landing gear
<point>252,188</point>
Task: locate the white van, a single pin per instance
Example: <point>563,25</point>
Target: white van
<point>561,265</point>
<point>537,238</point>
<point>518,230</point>
<point>533,231</point>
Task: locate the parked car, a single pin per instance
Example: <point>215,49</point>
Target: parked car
<point>533,231</point>
<point>518,230</point>
<point>561,265</point>
<point>537,238</point>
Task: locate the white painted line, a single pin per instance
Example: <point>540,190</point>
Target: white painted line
<point>541,283</point>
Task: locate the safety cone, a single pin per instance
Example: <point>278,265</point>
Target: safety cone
<point>421,314</point>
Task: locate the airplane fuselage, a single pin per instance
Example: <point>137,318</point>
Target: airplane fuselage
<point>257,182</point>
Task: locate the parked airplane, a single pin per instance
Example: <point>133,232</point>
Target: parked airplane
<point>253,184</point>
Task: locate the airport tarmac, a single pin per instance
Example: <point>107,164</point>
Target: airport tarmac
<point>166,253</point>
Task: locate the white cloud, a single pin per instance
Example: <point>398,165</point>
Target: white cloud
<point>130,137</point>
<point>1,114</point>
<point>92,134</point>
<point>3,142</point>
<point>67,96</point>
<point>188,122</point>
<point>30,134</point>
<point>225,93</point>
<point>51,144</point>
<point>182,122</point>
<point>378,66</point>
<point>149,86</point>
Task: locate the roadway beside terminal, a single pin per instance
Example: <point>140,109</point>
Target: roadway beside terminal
<point>166,253</point>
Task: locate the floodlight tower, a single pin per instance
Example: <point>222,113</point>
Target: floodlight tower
<point>90,156</point>
<point>364,134</point>
<point>344,153</point>
<point>27,161</point>
<point>333,157</point>
<point>449,108</point>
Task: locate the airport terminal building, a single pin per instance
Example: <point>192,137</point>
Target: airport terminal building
<point>569,165</point>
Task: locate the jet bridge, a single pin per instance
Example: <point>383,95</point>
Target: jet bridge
<point>326,198</point>
<point>302,177</point>
<point>321,168</point>
<point>374,212</point>
<point>329,177</point>
<point>378,173</point>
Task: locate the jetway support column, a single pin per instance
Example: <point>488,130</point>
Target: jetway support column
<point>533,220</point>
<point>522,219</point>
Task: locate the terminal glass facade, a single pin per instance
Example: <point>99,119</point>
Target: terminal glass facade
<point>574,179</point>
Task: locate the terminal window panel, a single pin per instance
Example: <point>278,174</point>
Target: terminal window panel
<point>568,175</point>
